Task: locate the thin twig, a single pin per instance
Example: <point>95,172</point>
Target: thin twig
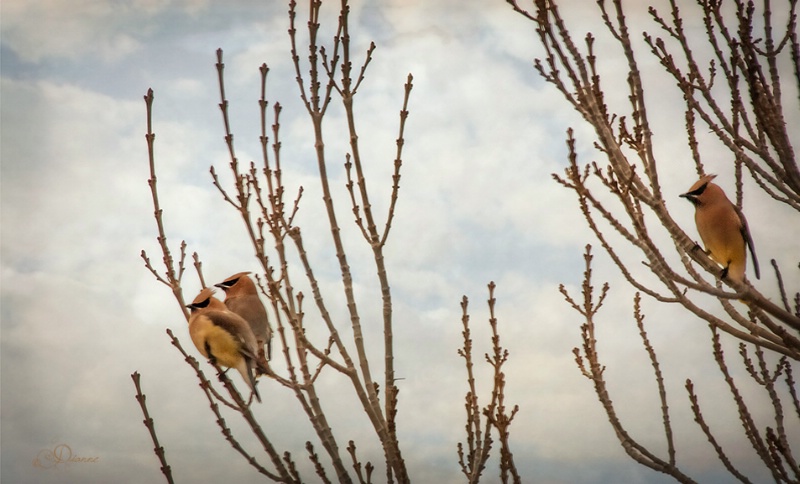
<point>148,422</point>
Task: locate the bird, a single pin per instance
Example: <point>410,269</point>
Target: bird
<point>223,336</point>
<point>723,228</point>
<point>242,298</point>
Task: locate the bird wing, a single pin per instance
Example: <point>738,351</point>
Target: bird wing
<point>745,229</point>
<point>237,328</point>
<point>252,310</point>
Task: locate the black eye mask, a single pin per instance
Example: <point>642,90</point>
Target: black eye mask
<point>692,196</point>
<point>202,304</point>
<point>230,283</point>
<point>700,190</point>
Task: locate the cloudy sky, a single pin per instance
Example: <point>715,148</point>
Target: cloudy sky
<point>80,313</point>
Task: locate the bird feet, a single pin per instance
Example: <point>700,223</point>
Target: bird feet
<point>724,272</point>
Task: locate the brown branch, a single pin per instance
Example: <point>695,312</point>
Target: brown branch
<point>662,392</point>
<point>317,464</point>
<point>749,426</point>
<point>244,409</point>
<point>790,384</point>
<point>780,449</point>
<point>348,91</point>
<point>479,443</point>
<point>589,364</point>
<point>497,415</point>
<point>351,449</point>
<point>738,98</point>
<point>151,427</point>
<point>698,417</point>
<point>781,287</point>
<point>199,268</point>
<point>171,278</point>
<point>479,440</point>
<point>398,161</point>
<point>316,105</point>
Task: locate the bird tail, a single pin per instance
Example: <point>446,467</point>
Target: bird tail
<point>262,367</point>
<point>253,384</point>
<point>246,369</point>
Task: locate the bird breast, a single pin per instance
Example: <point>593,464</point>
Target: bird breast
<point>224,347</point>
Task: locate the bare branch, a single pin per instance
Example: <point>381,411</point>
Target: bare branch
<point>151,427</point>
<point>171,278</point>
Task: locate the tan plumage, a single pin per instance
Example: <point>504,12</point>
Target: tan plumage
<point>223,336</point>
<point>241,297</point>
<point>722,227</point>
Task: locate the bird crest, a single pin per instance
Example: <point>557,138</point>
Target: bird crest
<point>700,185</point>
<point>203,298</point>
<point>232,279</point>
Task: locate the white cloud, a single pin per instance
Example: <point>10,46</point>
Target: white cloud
<point>55,29</point>
<point>153,7</point>
<point>52,29</point>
